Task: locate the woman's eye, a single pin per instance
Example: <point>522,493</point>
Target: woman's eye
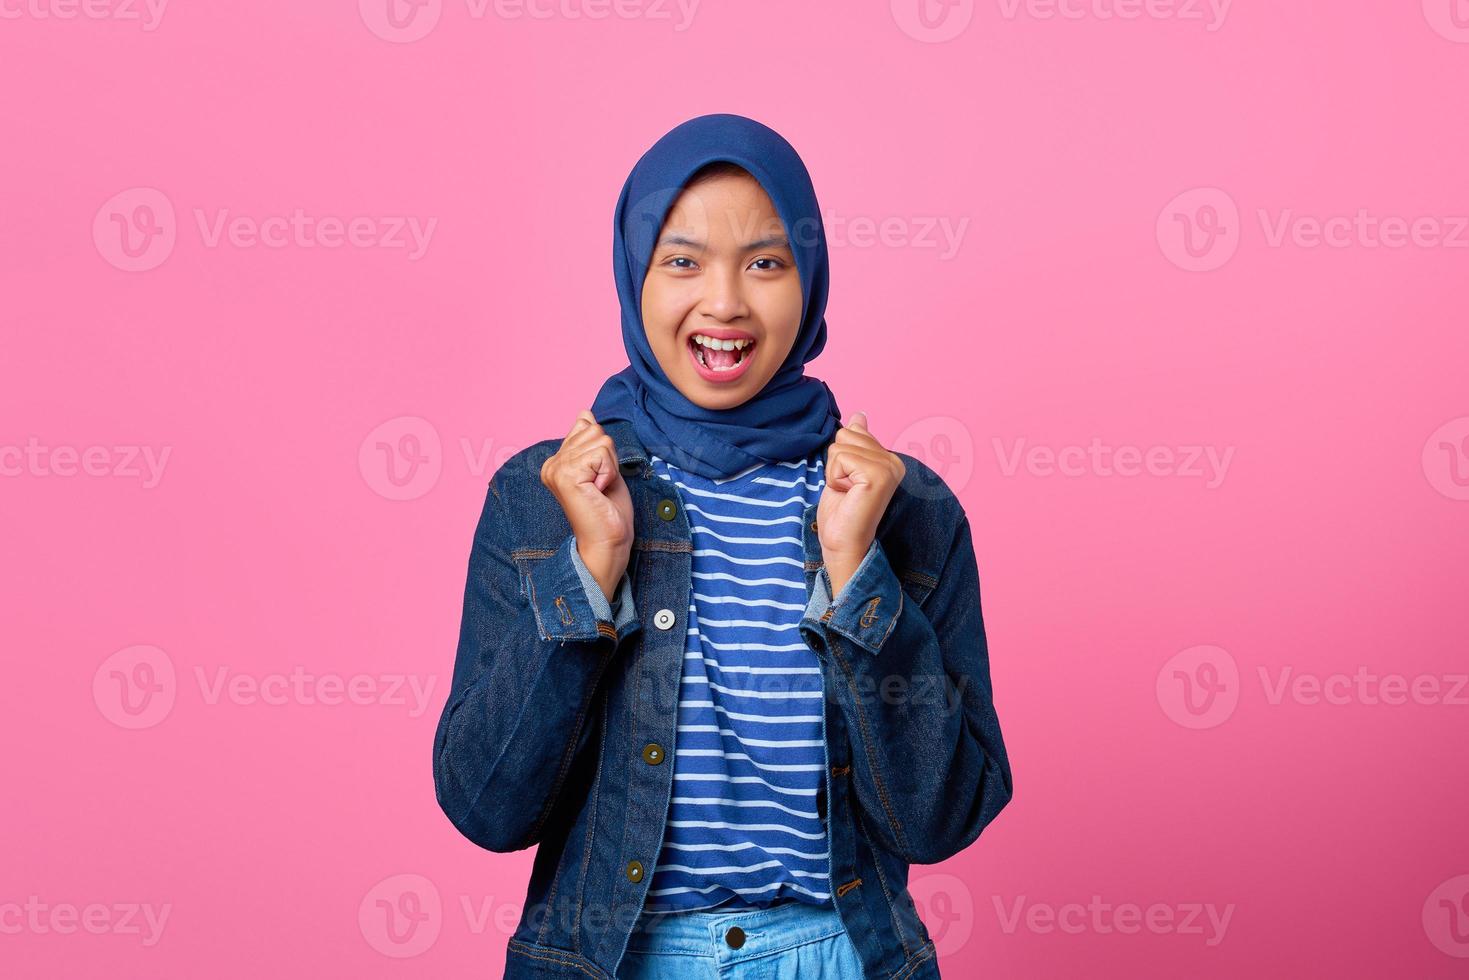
<point>775,264</point>
<point>681,258</point>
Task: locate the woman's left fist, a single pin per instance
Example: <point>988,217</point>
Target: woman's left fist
<point>861,477</point>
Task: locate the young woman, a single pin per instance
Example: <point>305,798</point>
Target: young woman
<point>721,656</point>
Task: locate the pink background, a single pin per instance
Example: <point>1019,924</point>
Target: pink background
<point>331,414</point>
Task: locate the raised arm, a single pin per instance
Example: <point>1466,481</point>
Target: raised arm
<point>533,642</point>
<point>928,760</point>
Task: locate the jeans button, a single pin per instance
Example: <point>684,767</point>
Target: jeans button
<point>634,871</point>
<point>735,937</point>
<point>667,509</point>
<point>663,619</point>
<point>652,753</point>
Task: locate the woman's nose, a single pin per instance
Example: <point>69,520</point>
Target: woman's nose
<point>723,296</point>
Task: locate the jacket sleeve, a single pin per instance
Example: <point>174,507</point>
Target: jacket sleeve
<point>532,648</point>
<point>928,761</point>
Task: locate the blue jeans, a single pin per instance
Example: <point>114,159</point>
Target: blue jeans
<point>790,941</point>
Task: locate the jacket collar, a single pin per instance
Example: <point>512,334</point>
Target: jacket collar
<point>629,448</point>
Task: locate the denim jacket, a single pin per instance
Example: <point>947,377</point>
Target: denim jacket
<point>562,711</point>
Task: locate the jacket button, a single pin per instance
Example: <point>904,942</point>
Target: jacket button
<point>663,619</point>
<point>634,871</point>
<point>652,753</point>
<point>735,937</point>
<point>813,525</point>
<point>667,509</point>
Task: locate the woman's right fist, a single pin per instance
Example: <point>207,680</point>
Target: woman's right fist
<point>583,476</point>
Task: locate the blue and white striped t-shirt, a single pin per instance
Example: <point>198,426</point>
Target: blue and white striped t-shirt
<point>743,828</point>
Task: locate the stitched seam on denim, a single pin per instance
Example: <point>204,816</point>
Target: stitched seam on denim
<point>637,693</point>
<point>850,812</point>
<point>837,930</point>
<point>790,946</point>
<point>887,894</point>
<point>921,578</point>
<point>702,951</point>
<point>640,574</point>
<point>551,897</point>
<point>560,601</point>
<point>586,857</point>
<point>571,960</point>
<point>658,544</point>
<point>876,645</point>
<point>924,590</point>
<point>836,605</point>
<point>535,607</point>
<point>916,960</point>
<point>844,888</point>
<point>872,764</point>
<point>570,749</point>
<point>893,623</point>
<point>570,745</point>
<point>840,930</point>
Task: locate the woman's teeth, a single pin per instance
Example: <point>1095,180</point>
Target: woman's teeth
<point>721,355</point>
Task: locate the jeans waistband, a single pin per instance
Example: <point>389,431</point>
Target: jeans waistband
<point>765,931</point>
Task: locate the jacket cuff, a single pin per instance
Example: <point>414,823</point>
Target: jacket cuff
<point>867,608</point>
<point>569,604</point>
<point>621,612</point>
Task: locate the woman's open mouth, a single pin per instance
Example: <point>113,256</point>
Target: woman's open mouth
<point>720,360</point>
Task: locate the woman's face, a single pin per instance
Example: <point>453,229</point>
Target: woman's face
<point>722,270</point>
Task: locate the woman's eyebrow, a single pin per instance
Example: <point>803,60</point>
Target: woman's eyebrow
<point>676,240</point>
<point>774,241</point>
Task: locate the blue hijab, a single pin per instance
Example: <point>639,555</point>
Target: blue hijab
<point>793,414</point>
